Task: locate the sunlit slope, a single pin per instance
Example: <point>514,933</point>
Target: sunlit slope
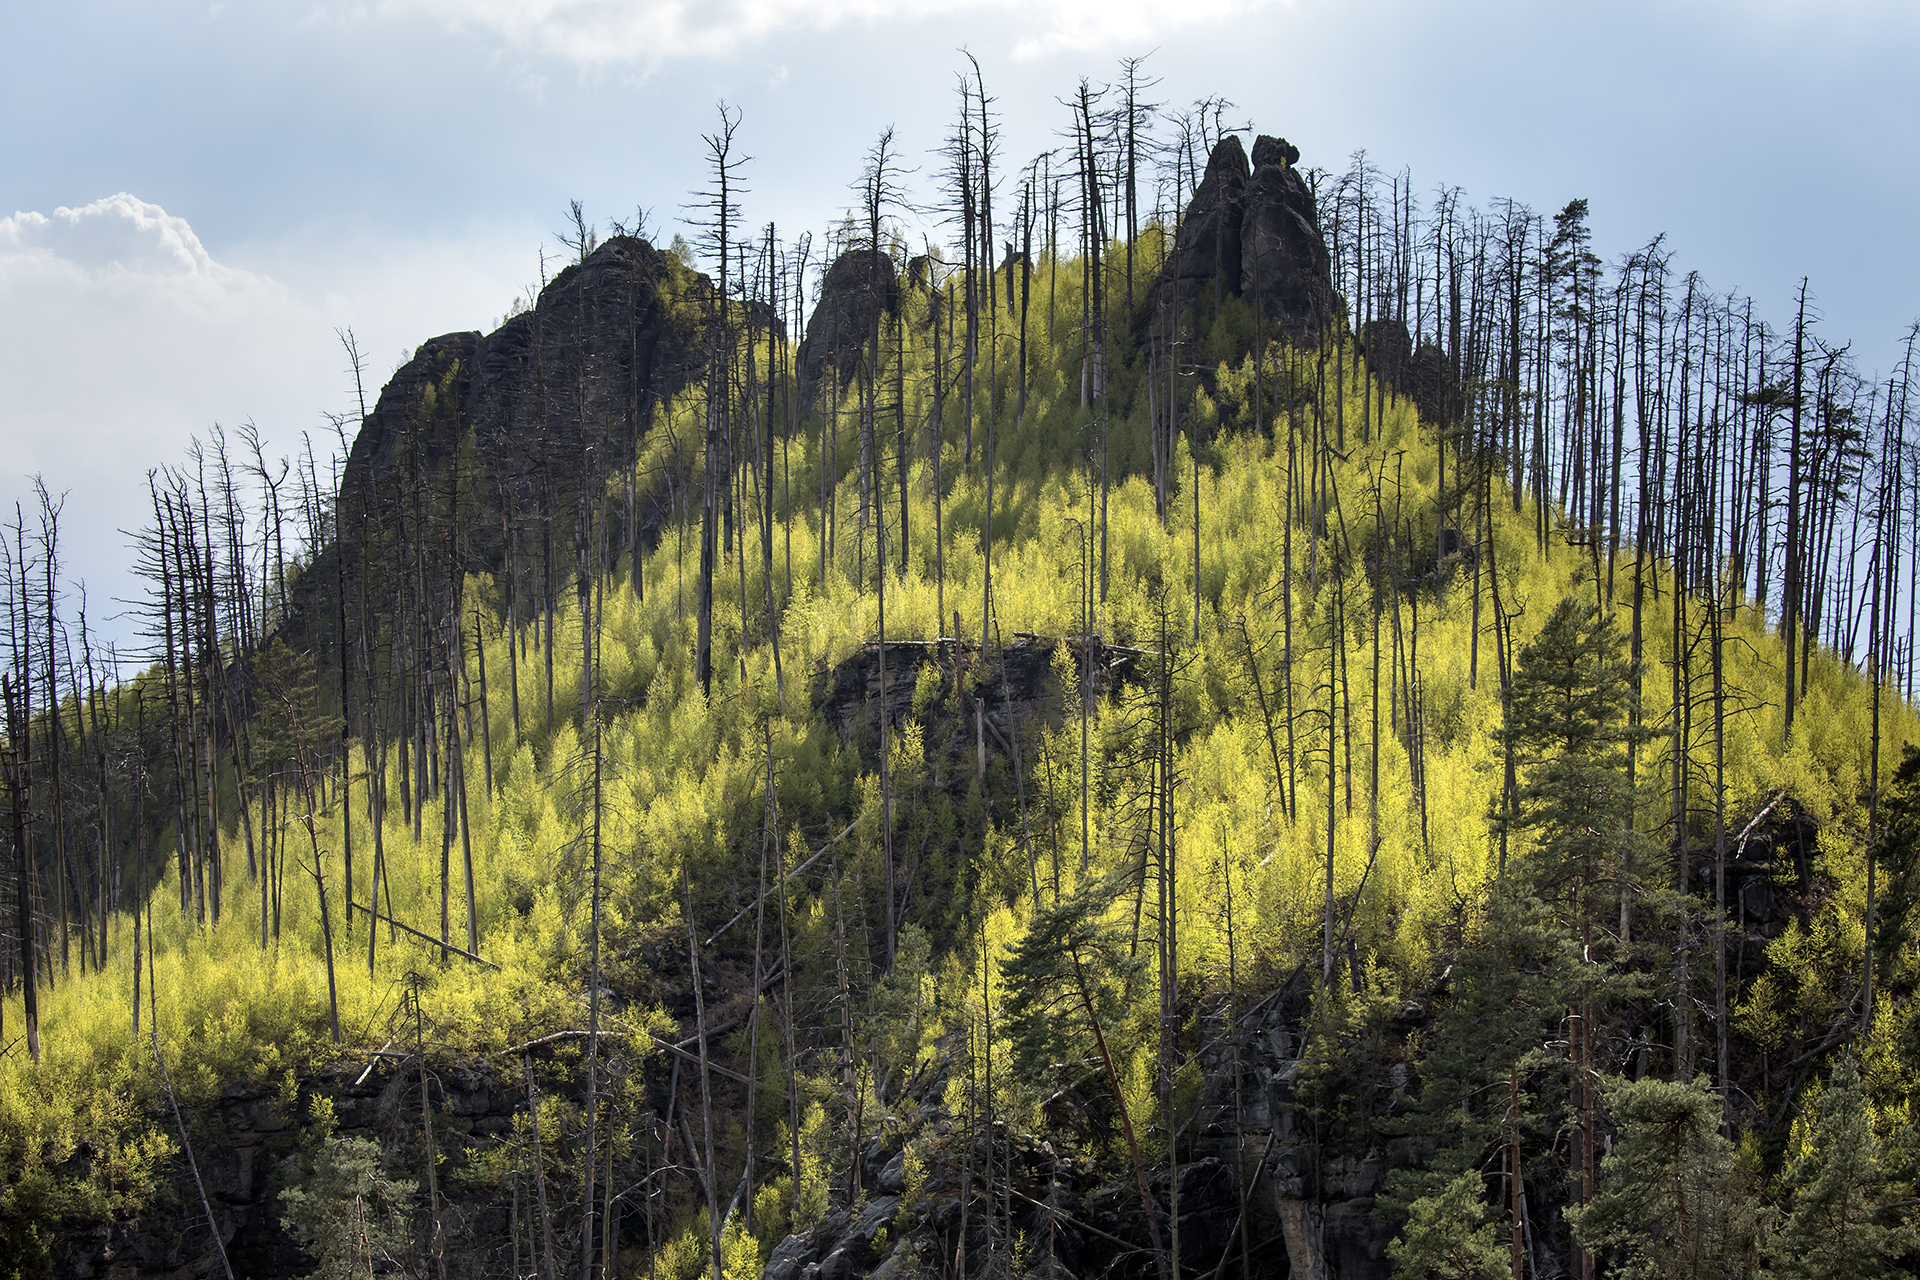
<point>1305,647</point>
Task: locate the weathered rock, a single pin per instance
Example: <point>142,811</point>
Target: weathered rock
<point>858,289</point>
<point>248,1142</point>
<point>893,1178</point>
<point>1355,1240</point>
<point>788,1259</point>
<point>1300,1228</point>
<point>1020,683</point>
<point>606,339</point>
<point>1423,375</point>
<point>1254,233</point>
<point>872,1220</point>
<point>1285,272</point>
<point>1209,244</point>
<point>838,1247</point>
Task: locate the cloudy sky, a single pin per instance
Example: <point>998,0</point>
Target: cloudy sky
<point>194,196</point>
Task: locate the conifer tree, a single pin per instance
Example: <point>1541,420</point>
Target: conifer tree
<point>1851,1217</point>
<point>1447,1236</point>
<point>1673,1200</point>
<point>1569,739</point>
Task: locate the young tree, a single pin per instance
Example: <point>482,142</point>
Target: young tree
<point>1067,978</point>
<point>1569,739</point>
<point>349,1212</point>
<point>1448,1237</point>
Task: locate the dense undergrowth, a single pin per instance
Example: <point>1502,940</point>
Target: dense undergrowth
<point>1289,654</point>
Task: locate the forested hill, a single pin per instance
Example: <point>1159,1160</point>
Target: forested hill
<point>1236,718</point>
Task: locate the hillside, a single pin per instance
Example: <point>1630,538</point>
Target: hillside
<point>1280,736</point>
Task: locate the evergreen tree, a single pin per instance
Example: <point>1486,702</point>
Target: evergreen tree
<point>1569,738</point>
<point>1897,851</point>
<point>1447,1236</point>
<point>350,1213</point>
<point>1481,1102</point>
<point>1852,1217</point>
<point>1673,1200</point>
<point>1067,977</point>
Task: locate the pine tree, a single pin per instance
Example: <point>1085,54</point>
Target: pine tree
<point>350,1212</point>
<point>1851,1217</point>
<point>1067,978</point>
<point>1569,738</point>
<point>1481,1101</point>
<point>1673,1201</point>
<point>1447,1236</point>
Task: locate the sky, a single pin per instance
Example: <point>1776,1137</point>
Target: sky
<point>195,197</point>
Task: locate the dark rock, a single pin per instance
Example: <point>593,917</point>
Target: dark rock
<point>893,1178</point>
<point>550,404</point>
<point>899,1263</point>
<point>604,341</point>
<point>420,407</point>
<point>789,1258</point>
<point>1356,1240</point>
<point>1022,683</point>
<point>1424,376</point>
<point>1254,233</point>
<point>1209,243</point>
<point>859,288</point>
<point>872,1220</point>
<point>251,1139</point>
<point>1270,150</point>
<point>1284,268</point>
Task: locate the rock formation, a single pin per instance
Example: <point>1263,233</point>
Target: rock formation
<point>1423,375</point>
<point>1255,234</point>
<point>607,338</point>
<point>1284,268</point>
<point>859,288</point>
<point>1208,246</point>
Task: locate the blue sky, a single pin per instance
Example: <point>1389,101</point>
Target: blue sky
<point>241,178</point>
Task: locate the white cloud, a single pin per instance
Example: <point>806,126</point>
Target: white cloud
<point>653,32</point>
<point>121,337</point>
<point>121,231</point>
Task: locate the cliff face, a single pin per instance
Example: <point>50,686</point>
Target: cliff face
<point>246,1149</point>
<point>555,391</point>
<point>1255,234</point>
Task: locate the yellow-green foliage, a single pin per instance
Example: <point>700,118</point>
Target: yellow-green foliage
<point>681,775</point>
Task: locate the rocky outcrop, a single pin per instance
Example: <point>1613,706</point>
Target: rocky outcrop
<point>554,388</point>
<point>962,715</point>
<point>1208,246</point>
<point>1284,268</point>
<point>859,288</point>
<point>839,1246</point>
<point>245,1144</point>
<point>1253,232</point>
<point>1423,375</point>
